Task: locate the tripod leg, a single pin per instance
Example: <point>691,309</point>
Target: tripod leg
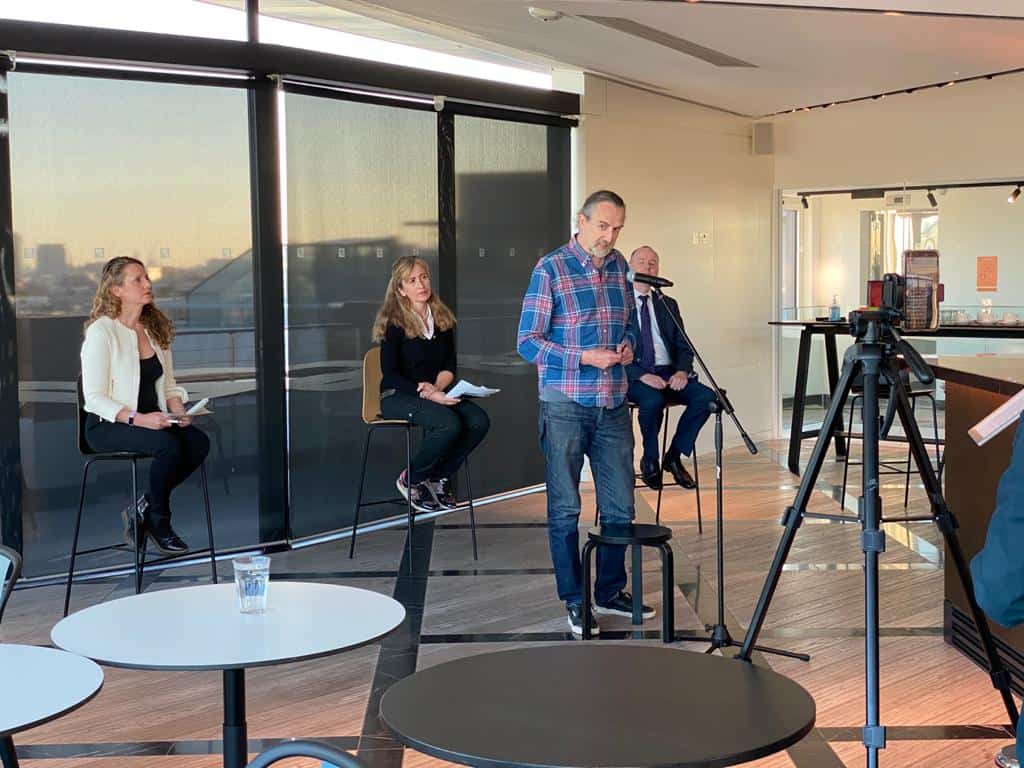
<point>794,514</point>
<point>873,544</point>
<point>947,524</point>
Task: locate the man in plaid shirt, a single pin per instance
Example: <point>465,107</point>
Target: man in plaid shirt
<point>575,326</point>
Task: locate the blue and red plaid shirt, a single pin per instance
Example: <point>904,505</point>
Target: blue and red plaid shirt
<point>572,306</point>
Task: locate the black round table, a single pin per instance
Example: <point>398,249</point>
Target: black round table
<point>587,704</point>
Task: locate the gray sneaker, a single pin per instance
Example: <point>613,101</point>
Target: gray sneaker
<point>127,518</point>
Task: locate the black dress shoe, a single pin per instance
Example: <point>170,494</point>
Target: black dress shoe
<point>166,540</point>
<point>675,466</point>
<point>650,473</point>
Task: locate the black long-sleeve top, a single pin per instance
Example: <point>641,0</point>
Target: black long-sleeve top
<point>405,362</point>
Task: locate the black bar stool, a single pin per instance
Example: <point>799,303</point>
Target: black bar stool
<point>886,467</point>
<point>635,536</point>
<point>664,445</point>
<point>140,561</point>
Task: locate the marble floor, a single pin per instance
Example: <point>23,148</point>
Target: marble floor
<point>939,708</point>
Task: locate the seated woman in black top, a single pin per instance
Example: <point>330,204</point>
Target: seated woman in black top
<point>417,357</point>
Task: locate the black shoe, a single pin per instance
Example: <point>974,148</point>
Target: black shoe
<point>420,495</point>
<point>576,620</point>
<point>442,492</point>
<point>165,539</point>
<point>650,473</point>
<point>675,466</point>
<point>622,605</point>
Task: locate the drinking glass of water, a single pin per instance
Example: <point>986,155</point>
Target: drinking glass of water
<point>252,578</point>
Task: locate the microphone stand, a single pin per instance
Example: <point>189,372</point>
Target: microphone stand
<point>720,637</point>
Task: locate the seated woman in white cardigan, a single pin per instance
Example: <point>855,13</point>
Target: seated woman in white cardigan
<point>130,393</point>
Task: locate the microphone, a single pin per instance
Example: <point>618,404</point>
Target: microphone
<point>640,277</point>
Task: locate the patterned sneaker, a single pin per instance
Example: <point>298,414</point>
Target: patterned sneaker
<point>420,494</point>
<point>442,491</point>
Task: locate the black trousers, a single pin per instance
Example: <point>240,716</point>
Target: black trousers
<point>177,452</point>
<point>450,432</point>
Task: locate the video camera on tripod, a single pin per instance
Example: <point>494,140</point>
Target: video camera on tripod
<point>909,303</point>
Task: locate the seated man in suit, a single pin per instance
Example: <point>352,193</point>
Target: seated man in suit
<point>662,373</point>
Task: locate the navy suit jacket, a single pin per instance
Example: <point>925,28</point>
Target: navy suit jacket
<point>678,349</point>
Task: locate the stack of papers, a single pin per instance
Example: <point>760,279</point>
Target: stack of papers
<point>465,389</point>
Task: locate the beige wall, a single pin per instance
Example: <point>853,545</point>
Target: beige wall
<point>967,132</point>
<point>685,169</point>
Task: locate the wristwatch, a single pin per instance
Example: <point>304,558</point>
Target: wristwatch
<point>131,418</point>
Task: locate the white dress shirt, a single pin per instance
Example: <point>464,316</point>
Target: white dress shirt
<point>428,325</point>
<point>661,355</point>
<point>110,370</point>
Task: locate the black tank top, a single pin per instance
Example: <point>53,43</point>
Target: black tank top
<point>149,371</point>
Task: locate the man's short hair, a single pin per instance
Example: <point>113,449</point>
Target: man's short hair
<point>601,196</point>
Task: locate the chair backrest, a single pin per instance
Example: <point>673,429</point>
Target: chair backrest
<point>83,445</point>
<point>329,755</point>
<point>371,385</point>
<point>10,571</point>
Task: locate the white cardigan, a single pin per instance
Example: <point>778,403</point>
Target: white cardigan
<point>110,370</point>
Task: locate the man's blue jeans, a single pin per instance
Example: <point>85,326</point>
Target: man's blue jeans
<point>568,431</point>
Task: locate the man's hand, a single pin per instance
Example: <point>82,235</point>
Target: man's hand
<point>679,380</point>
<point>625,352</point>
<point>601,358</point>
<point>655,382</point>
<point>426,389</point>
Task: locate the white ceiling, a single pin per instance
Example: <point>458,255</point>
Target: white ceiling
<point>803,54</point>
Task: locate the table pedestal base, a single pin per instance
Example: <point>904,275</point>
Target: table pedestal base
<point>8,757</point>
<point>236,738</point>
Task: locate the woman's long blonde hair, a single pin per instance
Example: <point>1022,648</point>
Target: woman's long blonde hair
<point>397,309</point>
<point>106,304</point>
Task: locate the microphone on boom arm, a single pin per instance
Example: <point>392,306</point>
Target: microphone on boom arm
<point>640,277</point>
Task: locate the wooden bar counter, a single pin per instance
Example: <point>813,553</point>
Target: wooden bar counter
<point>974,387</point>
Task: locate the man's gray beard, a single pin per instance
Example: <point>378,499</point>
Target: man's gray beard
<point>601,253</point>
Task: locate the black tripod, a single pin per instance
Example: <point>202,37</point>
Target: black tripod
<point>720,637</point>
<point>874,357</point>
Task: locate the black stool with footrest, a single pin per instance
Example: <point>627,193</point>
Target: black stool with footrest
<point>138,547</point>
<point>635,536</point>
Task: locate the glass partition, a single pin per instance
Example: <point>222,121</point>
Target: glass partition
<point>511,207</point>
<point>160,172</point>
<point>362,191</point>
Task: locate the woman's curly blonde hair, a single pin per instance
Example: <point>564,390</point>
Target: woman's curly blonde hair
<point>106,304</point>
<point>397,309</point>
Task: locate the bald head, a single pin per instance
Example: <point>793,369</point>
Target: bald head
<point>645,260</point>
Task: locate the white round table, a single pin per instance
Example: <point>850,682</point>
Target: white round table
<point>201,628</point>
<point>40,684</point>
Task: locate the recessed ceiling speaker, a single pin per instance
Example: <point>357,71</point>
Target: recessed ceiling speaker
<point>764,138</point>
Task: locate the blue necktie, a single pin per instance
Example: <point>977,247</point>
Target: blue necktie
<point>646,338</point>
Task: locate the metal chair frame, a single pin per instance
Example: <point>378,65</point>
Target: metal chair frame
<point>139,544</point>
<point>9,575</point>
<point>374,421</point>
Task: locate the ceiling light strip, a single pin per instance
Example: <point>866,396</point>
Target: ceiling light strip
<point>903,91</point>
